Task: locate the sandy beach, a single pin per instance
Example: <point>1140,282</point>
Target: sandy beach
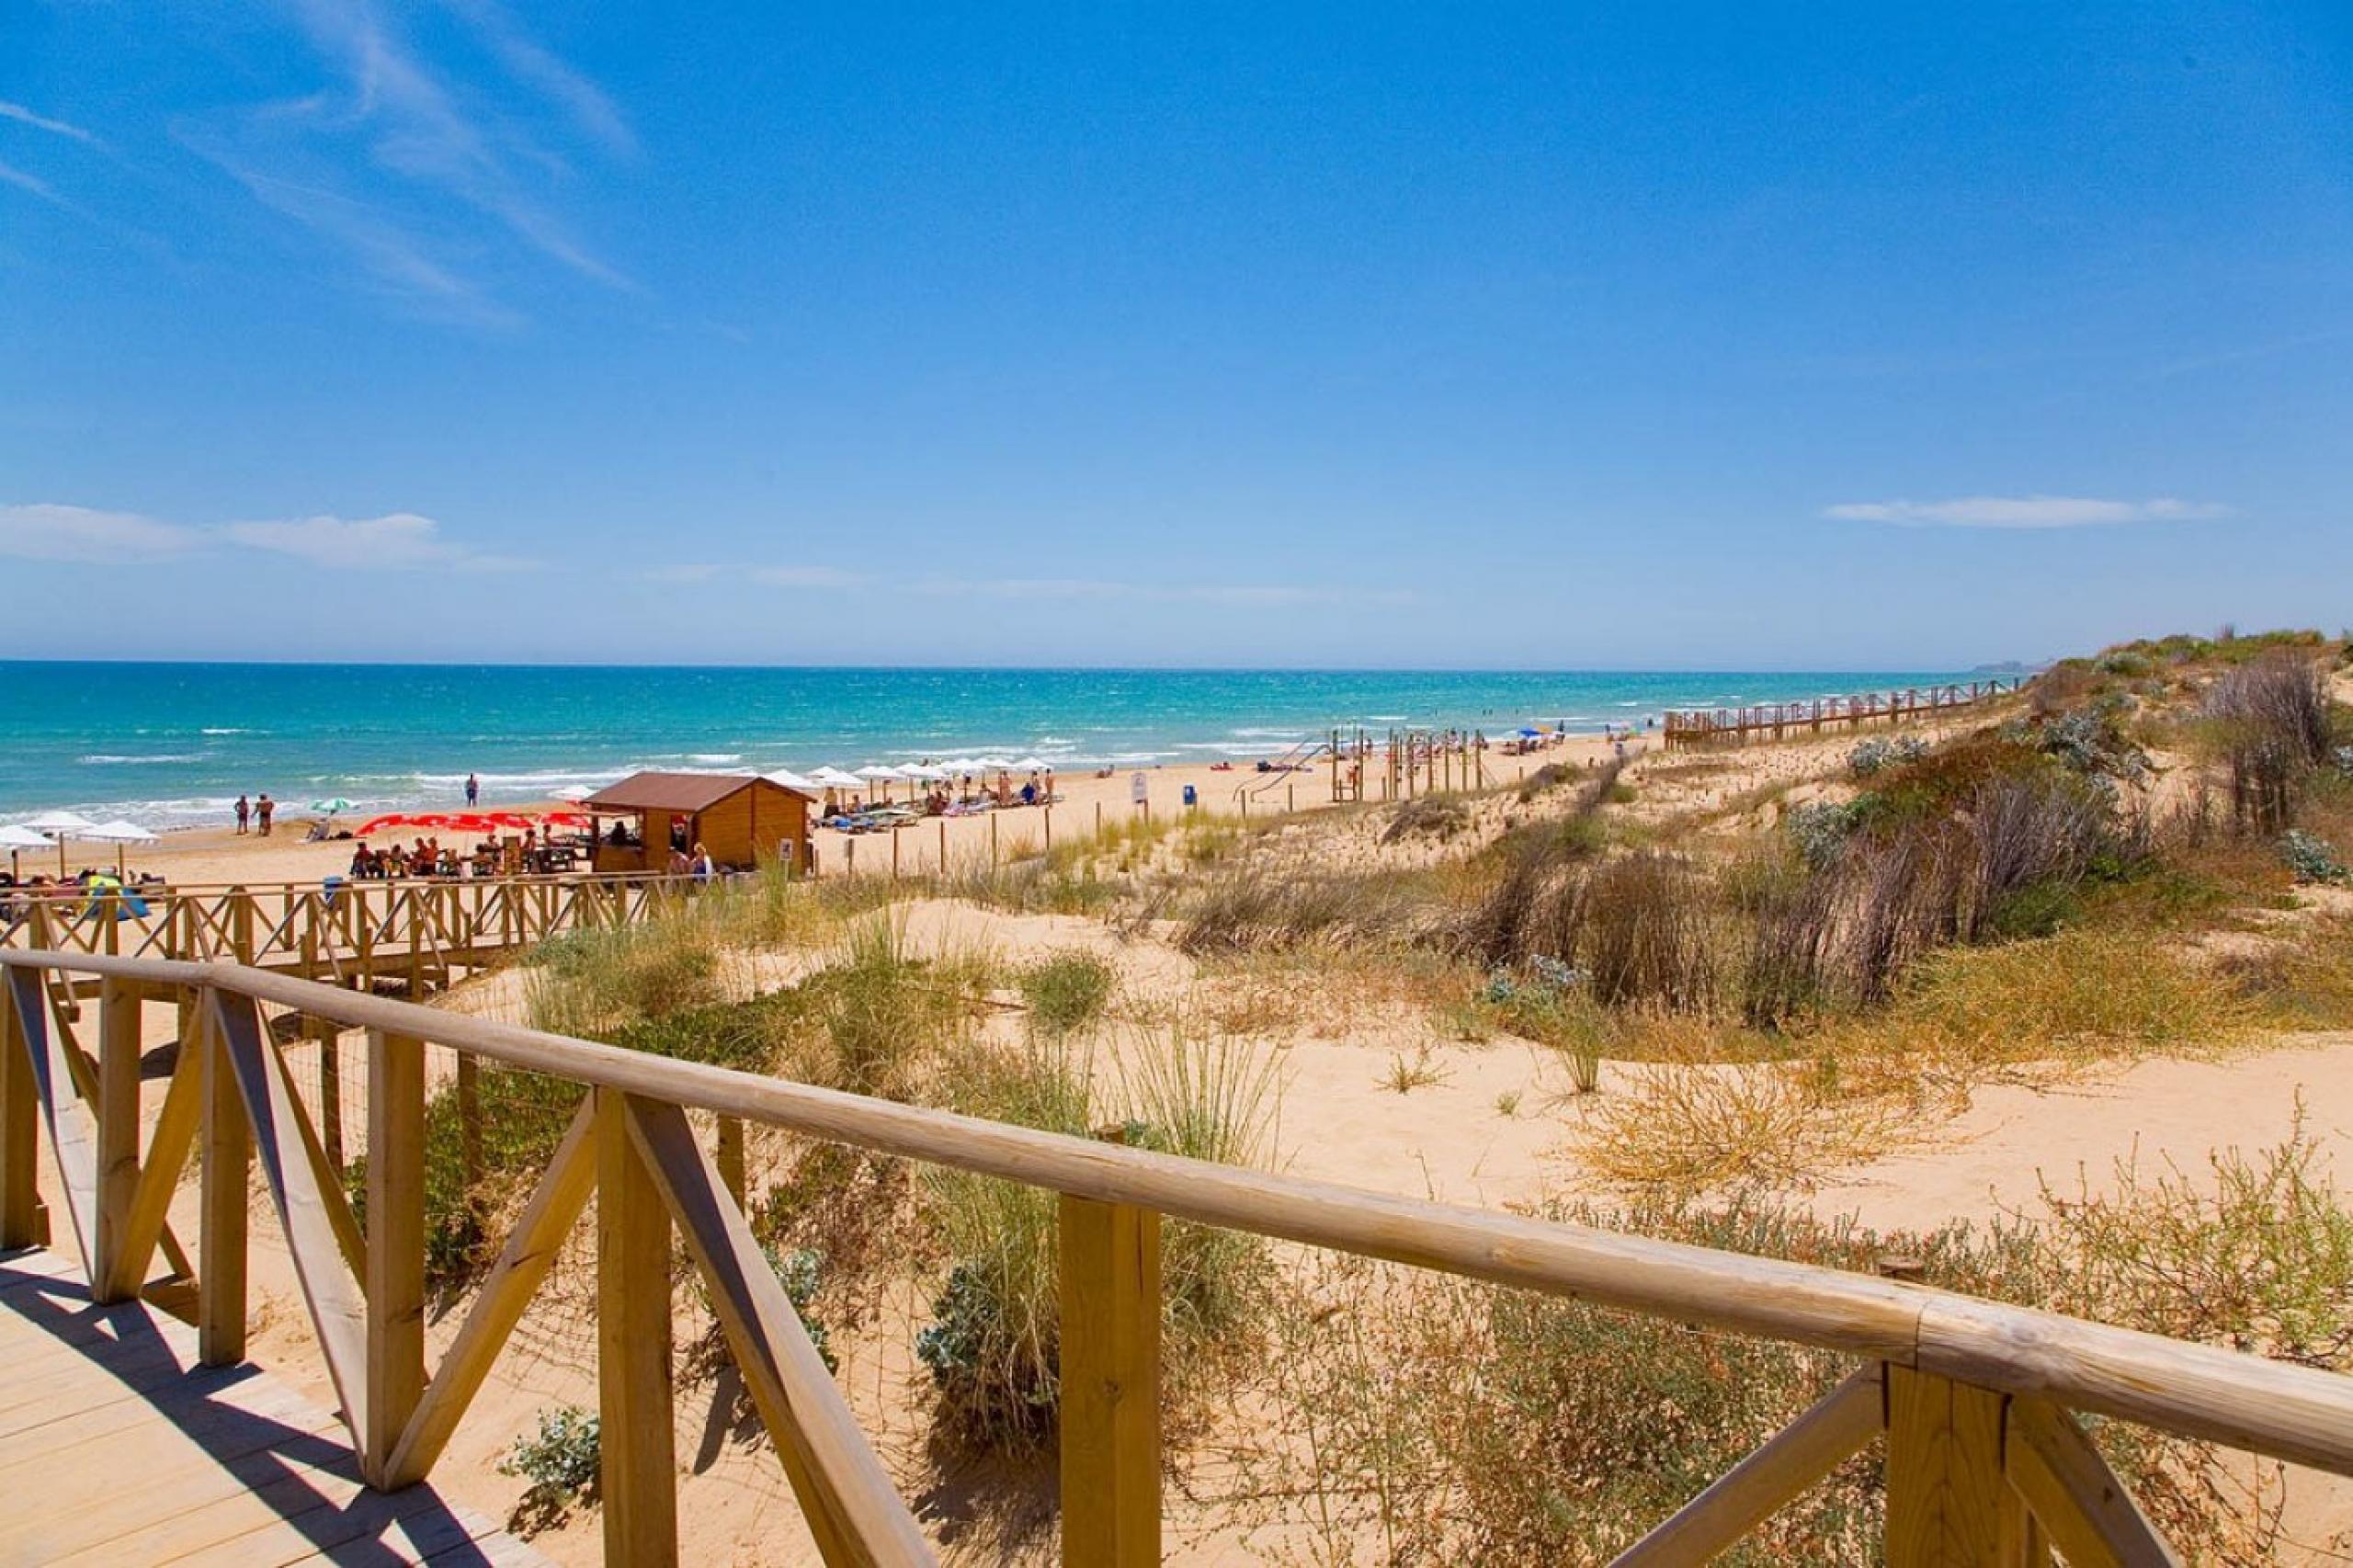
<point>219,855</point>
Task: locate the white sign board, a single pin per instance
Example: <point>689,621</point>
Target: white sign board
<point>1136,787</point>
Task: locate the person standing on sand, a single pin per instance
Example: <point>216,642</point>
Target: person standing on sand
<point>245,812</point>
<point>473,790</point>
<point>262,810</point>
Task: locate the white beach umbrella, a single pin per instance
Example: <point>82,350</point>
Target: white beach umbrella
<point>996,764</point>
<point>61,827</point>
<point>1033,765</point>
<point>874,772</point>
<point>121,834</point>
<point>56,823</point>
<point>571,792</point>
<point>16,841</point>
<point>792,781</point>
<point>831,777</point>
<point>923,772</point>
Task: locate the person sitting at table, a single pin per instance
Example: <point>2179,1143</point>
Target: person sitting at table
<point>363,861</point>
<point>1029,791</point>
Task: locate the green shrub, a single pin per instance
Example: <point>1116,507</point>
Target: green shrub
<point>1068,991</point>
<point>560,1461</point>
<point>993,1345</point>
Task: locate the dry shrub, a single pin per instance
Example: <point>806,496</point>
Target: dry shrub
<point>1424,1418</point>
<point>2270,722</point>
<point>2027,833</point>
<point>1901,897</point>
<point>2301,979</point>
<point>2082,997</point>
<point>2257,1254</point>
<point>1429,816</point>
<point>1251,909</point>
<point>1646,932</point>
<point>1685,1130</point>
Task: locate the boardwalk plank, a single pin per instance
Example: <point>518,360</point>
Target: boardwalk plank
<point>117,1446</point>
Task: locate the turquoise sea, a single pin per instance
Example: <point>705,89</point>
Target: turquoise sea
<point>171,745</point>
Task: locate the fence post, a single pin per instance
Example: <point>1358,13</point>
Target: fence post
<point>395,1256</point>
<point>638,1461</point>
<point>228,1166</point>
<point>470,1164</point>
<point>1949,1502</point>
<point>330,1039</point>
<point>117,1108</point>
<point>729,1157</point>
<point>1111,1383</point>
<point>19,1122</point>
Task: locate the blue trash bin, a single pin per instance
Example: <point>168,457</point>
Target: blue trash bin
<point>1190,798</point>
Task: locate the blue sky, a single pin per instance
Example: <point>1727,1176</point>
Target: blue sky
<point>1671,336</point>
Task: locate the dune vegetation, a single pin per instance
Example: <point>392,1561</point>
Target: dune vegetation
<point>1740,981</point>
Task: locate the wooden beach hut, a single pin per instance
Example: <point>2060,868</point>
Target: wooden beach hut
<point>743,819</point>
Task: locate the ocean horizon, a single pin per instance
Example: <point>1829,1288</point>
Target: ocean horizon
<point>171,745</point>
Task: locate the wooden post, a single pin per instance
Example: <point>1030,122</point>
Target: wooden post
<point>470,1164</point>
<point>1050,826</point>
<point>1949,1503</point>
<point>228,1166</point>
<point>941,868</point>
<point>638,1470</point>
<point>330,1039</point>
<point>894,854</point>
<point>118,1107</point>
<point>395,1258</point>
<point>992,841</point>
<point>729,1157</point>
<point>1111,1383</point>
<point>1098,819</point>
<point>19,1124</point>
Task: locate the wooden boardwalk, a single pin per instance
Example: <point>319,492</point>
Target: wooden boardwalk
<point>117,1446</point>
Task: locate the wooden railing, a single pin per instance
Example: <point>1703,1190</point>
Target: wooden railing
<point>1778,721</point>
<point>416,932</point>
<point>1984,1459</point>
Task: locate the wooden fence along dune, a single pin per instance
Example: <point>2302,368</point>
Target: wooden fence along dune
<point>357,934</point>
<point>1975,1403</point>
<point>1783,720</point>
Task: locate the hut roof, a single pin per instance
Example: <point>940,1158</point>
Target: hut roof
<point>673,791</point>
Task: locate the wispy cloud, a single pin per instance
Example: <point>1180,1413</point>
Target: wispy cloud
<point>398,542</point>
<point>420,175</point>
<point>24,116</point>
<point>45,531</point>
<point>2025,512</point>
<point>34,184</point>
<point>534,64</point>
<point>419,131</point>
<point>383,246</point>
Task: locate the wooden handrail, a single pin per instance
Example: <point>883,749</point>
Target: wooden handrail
<point>1984,1460</point>
<point>2287,1412</point>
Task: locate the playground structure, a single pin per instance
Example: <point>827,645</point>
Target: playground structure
<point>1398,765</point>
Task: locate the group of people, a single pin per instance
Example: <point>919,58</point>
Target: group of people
<point>423,858</point>
<point>254,815</point>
